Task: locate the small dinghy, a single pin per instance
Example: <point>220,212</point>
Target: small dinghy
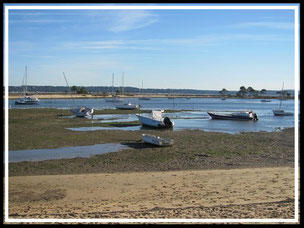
<point>156,140</point>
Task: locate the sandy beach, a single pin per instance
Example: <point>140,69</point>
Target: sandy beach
<point>201,194</point>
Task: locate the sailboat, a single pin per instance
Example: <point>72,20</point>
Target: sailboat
<point>280,111</point>
<point>26,100</point>
<point>126,106</point>
<point>80,111</point>
<point>114,98</point>
<point>143,97</point>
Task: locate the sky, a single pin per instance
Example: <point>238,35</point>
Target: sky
<point>163,48</point>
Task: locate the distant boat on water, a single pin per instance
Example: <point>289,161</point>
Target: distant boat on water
<point>114,98</point>
<point>239,115</point>
<point>143,97</point>
<point>280,111</point>
<point>156,120</point>
<point>27,99</point>
<point>265,100</point>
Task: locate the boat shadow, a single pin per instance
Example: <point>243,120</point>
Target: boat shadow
<point>139,145</point>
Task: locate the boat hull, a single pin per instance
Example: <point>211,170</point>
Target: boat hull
<point>82,112</point>
<point>27,100</point>
<point>282,113</point>
<point>152,139</point>
<point>144,98</point>
<point>26,103</point>
<point>127,107</point>
<point>229,117</point>
<point>148,122</point>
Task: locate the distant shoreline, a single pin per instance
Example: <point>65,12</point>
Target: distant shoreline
<point>90,96</point>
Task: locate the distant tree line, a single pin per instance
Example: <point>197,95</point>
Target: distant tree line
<point>242,92</point>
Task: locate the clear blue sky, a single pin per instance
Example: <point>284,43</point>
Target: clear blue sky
<point>191,49</point>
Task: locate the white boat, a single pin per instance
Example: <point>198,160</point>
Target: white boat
<point>155,119</point>
<point>280,111</point>
<point>128,106</point>
<point>26,100</point>
<point>156,140</point>
<point>80,111</point>
<point>239,115</point>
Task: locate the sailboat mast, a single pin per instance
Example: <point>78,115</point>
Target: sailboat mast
<point>281,95</point>
<point>122,89</point>
<point>112,84</point>
<point>69,87</point>
<point>142,86</point>
<point>25,80</point>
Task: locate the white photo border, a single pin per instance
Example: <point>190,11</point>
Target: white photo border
<point>292,6</point>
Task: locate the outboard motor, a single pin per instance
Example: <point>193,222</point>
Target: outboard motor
<point>167,122</point>
<point>255,117</point>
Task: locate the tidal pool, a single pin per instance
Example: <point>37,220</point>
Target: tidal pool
<point>64,152</point>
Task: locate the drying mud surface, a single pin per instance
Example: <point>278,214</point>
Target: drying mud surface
<point>192,149</point>
<point>201,194</point>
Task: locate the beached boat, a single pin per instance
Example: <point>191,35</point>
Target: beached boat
<point>79,111</point>
<point>239,115</point>
<point>156,140</point>
<point>27,99</point>
<point>128,106</point>
<point>280,111</point>
<point>155,119</point>
<point>82,111</point>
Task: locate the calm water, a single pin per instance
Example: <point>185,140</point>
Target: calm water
<point>195,118</point>
<point>64,152</point>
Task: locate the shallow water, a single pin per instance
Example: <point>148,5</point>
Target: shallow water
<point>200,120</point>
<point>195,118</point>
<point>64,152</point>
